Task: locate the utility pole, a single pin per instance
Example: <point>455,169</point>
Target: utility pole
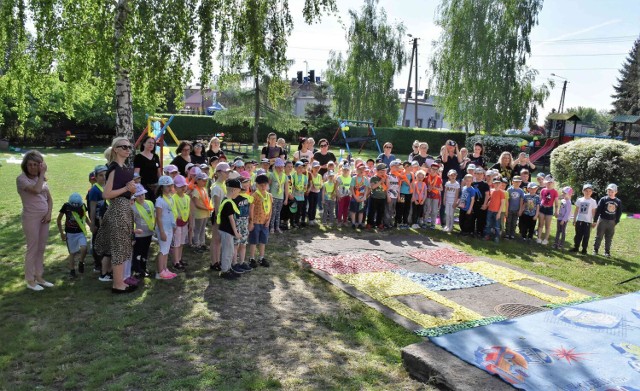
<point>414,54</point>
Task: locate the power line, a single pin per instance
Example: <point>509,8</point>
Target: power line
<point>574,69</point>
<point>578,55</point>
<point>619,38</point>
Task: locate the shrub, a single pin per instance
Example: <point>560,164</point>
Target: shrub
<point>600,162</point>
<point>495,145</point>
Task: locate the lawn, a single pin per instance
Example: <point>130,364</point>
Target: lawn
<point>277,328</point>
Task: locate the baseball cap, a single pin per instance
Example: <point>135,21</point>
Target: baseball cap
<point>360,165</point>
<point>252,161</point>
<point>497,180</point>
<point>261,171</point>
<point>315,164</point>
<point>331,162</point>
<point>305,161</point>
<point>195,170</point>
<point>245,175</point>
<point>452,143</point>
<point>540,175</point>
<point>234,175</point>
<point>179,181</point>
<point>395,163</point>
<point>204,166</point>
<point>435,165</point>
<point>202,176</point>
<point>452,172</point>
<point>279,162</point>
<point>262,178</point>
<point>492,172</point>
<point>331,173</point>
<point>188,167</point>
<point>415,163</point>
<point>265,160</point>
<point>517,178</point>
<point>213,158</point>
<point>299,163</point>
<point>75,199</point>
<point>504,180</point>
<point>235,159</point>
<point>346,167</point>
<point>549,178</point>
<point>612,186</point>
<point>140,190</point>
<point>471,167</point>
<point>587,186</point>
<point>532,185</point>
<point>222,156</point>
<point>479,170</point>
<point>567,190</point>
<point>171,168</point>
<point>381,166</point>
<point>233,183</point>
<point>223,167</point>
<point>100,168</point>
<point>165,180</point>
<point>238,163</point>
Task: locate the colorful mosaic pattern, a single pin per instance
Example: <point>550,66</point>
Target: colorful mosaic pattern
<point>351,264</point>
<point>384,286</point>
<point>509,278</point>
<point>441,256</point>
<point>457,278</point>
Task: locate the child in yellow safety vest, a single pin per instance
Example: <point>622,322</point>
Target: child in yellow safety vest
<point>144,220</point>
<point>313,194</point>
<point>259,223</point>
<point>343,183</point>
<point>75,231</point>
<point>329,200</point>
<point>182,204</point>
<point>359,195</point>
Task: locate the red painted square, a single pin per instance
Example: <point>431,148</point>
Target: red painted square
<point>351,264</point>
<point>441,256</point>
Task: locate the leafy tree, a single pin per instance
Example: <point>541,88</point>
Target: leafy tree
<point>479,64</point>
<point>321,109</point>
<point>627,96</point>
<point>363,81</point>
<point>589,115</point>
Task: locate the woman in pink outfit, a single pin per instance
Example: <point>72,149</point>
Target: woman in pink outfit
<point>36,215</point>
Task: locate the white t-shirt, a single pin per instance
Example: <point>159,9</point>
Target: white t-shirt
<point>299,155</point>
<point>585,208</point>
<point>394,187</point>
<point>450,192</point>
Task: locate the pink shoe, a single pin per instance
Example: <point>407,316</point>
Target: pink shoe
<point>167,275</point>
<point>172,273</point>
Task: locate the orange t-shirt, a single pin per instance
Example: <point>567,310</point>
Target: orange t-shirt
<point>496,200</point>
<point>433,181</point>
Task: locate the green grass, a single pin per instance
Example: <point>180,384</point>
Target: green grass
<point>277,328</point>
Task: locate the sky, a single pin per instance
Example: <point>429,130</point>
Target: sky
<point>583,41</point>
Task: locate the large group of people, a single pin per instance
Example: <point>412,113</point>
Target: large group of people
<point>240,202</point>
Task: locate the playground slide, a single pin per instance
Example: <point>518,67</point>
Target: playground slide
<point>549,145</point>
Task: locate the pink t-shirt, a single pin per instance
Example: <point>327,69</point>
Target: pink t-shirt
<point>32,203</point>
<point>548,197</point>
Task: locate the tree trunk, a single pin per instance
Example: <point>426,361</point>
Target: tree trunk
<point>124,105</point>
<point>256,118</point>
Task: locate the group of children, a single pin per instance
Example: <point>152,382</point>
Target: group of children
<point>246,201</point>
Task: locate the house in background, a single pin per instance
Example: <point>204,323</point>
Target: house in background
<point>303,95</point>
<point>429,115</point>
<point>194,102</point>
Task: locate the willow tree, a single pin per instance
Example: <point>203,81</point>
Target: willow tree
<point>128,48</point>
<point>253,38</point>
<point>363,80</point>
<point>480,62</point>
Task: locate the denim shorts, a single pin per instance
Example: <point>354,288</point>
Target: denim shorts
<point>546,210</point>
<point>259,235</point>
<point>75,242</point>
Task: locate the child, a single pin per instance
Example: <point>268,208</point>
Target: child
<point>393,193</point>
<point>529,212</point>
<point>258,228</point>
<point>286,216</point>
<point>451,196</point>
<point>494,212</point>
<point>226,221</point>
<point>583,219</point>
<point>144,220</point>
<point>434,187</point>
<point>75,231</point>
<point>343,183</point>
<point>244,201</point>
<point>165,224</point>
<point>201,208</point>
<point>300,184</point>
<point>479,214</point>
<point>218,192</point>
<point>418,200</point>
<point>548,203</point>
<point>359,194</point>
<point>515,197</point>
<point>182,205</point>
<point>467,199</point>
<point>564,213</point>
<point>403,205</point>
<point>315,185</point>
<point>329,200</point>
<point>379,184</point>
<point>97,207</point>
<point>171,170</point>
<point>503,219</point>
<point>607,217</point>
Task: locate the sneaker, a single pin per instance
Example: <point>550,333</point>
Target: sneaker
<point>278,231</point>
<point>583,252</point>
<point>229,275</point>
<point>105,278</point>
<point>496,239</point>
<point>272,231</point>
<point>253,264</point>
<point>81,267</point>
<point>237,268</point>
<point>538,240</point>
<point>72,273</point>
<point>95,270</point>
<point>415,226</point>
<point>245,266</point>
<point>178,266</point>
<point>594,253</point>
<point>264,263</point>
<point>353,226</point>
<point>545,242</point>
<point>215,267</point>
<point>608,255</point>
<point>166,275</point>
<point>35,287</point>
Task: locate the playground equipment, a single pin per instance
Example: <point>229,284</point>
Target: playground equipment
<point>157,127</point>
<point>343,127</point>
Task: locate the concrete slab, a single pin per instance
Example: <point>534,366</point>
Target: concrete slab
<point>425,306</point>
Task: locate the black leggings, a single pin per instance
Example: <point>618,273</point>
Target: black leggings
<point>140,254</point>
<point>402,209</point>
<point>376,211</point>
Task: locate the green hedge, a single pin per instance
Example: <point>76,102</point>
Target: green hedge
<point>189,127</point>
<point>599,162</point>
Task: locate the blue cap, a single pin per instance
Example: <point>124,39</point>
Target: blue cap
<point>75,199</point>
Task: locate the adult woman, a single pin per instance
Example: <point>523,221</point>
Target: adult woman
<point>305,152</point>
<point>415,152</point>
<point>477,157</point>
<point>113,240</point>
<point>184,157</point>
<point>147,164</point>
<point>37,205</point>
<point>283,144</point>
<point>271,151</point>
<point>386,156</point>
<point>323,156</point>
<point>450,156</point>
<point>197,155</point>
<point>523,162</point>
<point>214,149</point>
<point>423,157</point>
<point>505,165</point>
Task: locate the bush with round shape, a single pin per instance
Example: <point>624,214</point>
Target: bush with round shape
<point>600,162</point>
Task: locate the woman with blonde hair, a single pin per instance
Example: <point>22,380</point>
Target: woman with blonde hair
<point>505,165</point>
<point>37,205</point>
<point>113,241</point>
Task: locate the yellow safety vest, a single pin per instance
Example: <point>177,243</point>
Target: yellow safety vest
<point>235,209</point>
